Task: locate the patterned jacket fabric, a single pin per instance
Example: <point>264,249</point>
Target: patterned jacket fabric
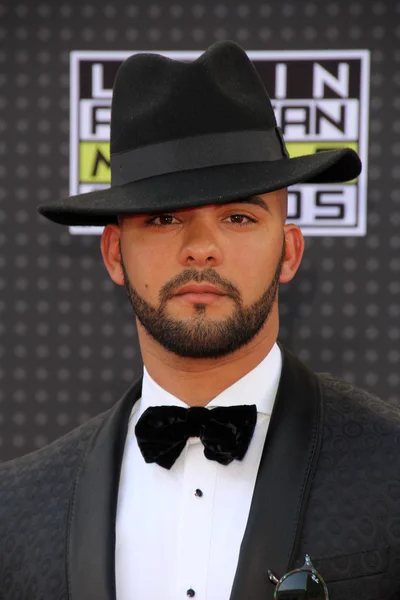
<point>353,511</point>
<point>35,493</point>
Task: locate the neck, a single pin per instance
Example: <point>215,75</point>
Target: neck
<point>197,381</point>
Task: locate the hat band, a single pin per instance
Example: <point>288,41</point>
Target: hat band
<point>209,150</point>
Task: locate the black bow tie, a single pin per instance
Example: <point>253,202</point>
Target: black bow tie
<point>162,432</point>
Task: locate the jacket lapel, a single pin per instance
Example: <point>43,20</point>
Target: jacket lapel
<point>285,474</point>
<point>91,531</point>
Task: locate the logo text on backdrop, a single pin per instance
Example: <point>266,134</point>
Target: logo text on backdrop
<point>320,100</point>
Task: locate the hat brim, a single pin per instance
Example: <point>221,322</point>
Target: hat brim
<point>199,187</point>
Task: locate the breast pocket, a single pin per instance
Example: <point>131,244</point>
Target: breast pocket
<point>352,566</point>
<point>369,575</point>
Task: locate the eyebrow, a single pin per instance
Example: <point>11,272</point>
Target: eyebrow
<point>256,200</point>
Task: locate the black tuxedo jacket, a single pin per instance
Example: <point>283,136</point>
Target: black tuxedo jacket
<point>328,485</point>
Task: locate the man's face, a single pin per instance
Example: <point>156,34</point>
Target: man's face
<point>238,247</point>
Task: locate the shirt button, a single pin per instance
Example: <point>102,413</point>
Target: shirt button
<point>190,593</point>
<point>198,493</point>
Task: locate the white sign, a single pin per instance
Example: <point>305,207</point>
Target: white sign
<point>320,99</point>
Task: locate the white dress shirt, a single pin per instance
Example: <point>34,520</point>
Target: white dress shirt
<point>179,531</point>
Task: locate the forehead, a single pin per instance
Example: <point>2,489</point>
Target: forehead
<point>251,200</point>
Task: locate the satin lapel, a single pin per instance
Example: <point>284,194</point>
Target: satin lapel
<point>286,470</point>
<point>91,538</point>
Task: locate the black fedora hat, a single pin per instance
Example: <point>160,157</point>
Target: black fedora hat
<point>190,134</point>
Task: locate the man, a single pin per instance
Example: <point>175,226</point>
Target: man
<point>229,464</point>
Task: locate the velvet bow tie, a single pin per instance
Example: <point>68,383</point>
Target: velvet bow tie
<point>162,432</point>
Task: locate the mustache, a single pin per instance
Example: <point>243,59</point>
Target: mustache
<point>194,276</point>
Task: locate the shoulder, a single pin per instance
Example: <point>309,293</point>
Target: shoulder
<point>53,461</point>
<point>341,398</point>
<point>35,492</point>
<point>355,403</point>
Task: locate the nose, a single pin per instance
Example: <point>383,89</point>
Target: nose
<point>200,246</point>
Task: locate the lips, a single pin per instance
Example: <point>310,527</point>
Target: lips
<point>199,289</point>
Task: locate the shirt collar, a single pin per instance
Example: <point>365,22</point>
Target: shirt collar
<point>258,387</point>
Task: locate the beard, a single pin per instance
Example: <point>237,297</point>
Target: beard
<point>200,336</point>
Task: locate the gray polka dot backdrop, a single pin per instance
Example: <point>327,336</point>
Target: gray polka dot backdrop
<point>68,344</point>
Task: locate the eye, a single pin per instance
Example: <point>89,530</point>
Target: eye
<point>163,220</point>
<point>238,219</point>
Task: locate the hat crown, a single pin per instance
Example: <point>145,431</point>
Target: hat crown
<point>157,99</point>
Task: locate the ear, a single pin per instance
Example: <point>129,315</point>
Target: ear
<point>294,248</point>
<point>110,251</point>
